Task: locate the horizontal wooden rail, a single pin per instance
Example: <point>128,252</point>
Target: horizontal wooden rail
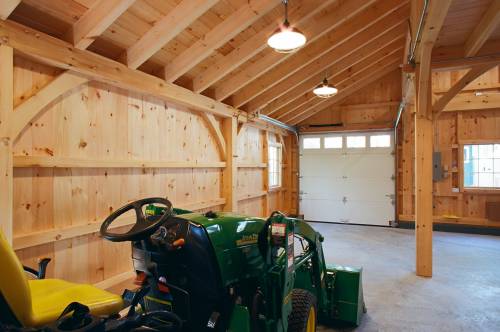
<point>115,280</point>
<point>252,195</point>
<point>52,235</point>
<point>252,165</point>
<point>449,220</point>
<point>63,162</point>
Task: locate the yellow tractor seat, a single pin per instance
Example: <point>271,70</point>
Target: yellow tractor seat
<point>51,296</point>
<point>37,302</point>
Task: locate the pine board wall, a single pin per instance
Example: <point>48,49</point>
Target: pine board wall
<point>451,131</point>
<point>57,210</point>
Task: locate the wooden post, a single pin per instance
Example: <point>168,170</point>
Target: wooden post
<point>6,165</point>
<point>423,170</point>
<point>230,173</point>
<point>265,174</point>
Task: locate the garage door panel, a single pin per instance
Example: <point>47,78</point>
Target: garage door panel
<point>315,210</point>
<point>348,185</point>
<point>320,165</point>
<point>362,212</point>
<point>368,189</point>
<point>370,166</point>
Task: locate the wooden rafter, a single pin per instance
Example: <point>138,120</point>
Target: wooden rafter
<point>366,78</point>
<point>341,80</point>
<point>166,29</point>
<point>319,25</point>
<point>218,36</point>
<point>319,53</point>
<point>340,58</point>
<point>56,52</point>
<point>95,21</point>
<point>483,29</point>
<point>7,7</point>
<point>300,15</point>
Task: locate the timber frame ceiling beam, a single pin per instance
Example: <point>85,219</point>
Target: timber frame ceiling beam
<point>218,36</point>
<point>164,30</point>
<point>338,59</point>
<point>42,47</point>
<point>95,21</point>
<point>483,30</point>
<point>375,15</point>
<point>299,14</point>
<point>7,7</point>
<point>317,26</point>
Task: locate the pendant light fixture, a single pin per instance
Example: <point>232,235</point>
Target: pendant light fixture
<point>325,90</point>
<point>286,39</point>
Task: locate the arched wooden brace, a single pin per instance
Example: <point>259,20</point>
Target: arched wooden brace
<point>34,106</point>
<point>214,128</point>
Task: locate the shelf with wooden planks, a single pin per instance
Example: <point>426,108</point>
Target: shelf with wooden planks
<point>65,162</point>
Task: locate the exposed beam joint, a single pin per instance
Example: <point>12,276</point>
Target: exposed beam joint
<point>95,21</point>
<point>41,47</point>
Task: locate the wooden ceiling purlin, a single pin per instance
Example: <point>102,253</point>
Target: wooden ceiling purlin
<point>298,14</point>
<point>7,7</point>
<point>376,71</point>
<point>95,21</point>
<point>339,73</point>
<point>165,30</point>
<point>46,49</point>
<point>347,54</point>
<point>341,80</point>
<point>317,49</point>
<point>317,26</point>
<point>215,38</point>
<point>267,88</point>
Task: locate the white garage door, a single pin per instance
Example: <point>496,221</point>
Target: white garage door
<point>347,178</point>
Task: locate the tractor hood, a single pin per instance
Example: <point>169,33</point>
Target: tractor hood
<point>234,240</point>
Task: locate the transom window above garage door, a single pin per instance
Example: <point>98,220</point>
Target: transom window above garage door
<point>347,141</point>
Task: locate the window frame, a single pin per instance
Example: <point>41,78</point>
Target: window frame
<point>461,175</point>
<point>279,169</point>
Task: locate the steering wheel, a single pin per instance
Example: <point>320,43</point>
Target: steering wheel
<point>143,226</point>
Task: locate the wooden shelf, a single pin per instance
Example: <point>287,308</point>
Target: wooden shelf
<point>60,162</point>
<point>252,195</point>
<point>252,165</point>
<point>52,235</point>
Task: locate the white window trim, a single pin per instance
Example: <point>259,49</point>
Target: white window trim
<point>279,146</point>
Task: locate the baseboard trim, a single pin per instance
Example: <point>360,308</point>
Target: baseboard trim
<point>466,229</point>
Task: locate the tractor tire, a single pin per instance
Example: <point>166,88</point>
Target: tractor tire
<point>304,312</point>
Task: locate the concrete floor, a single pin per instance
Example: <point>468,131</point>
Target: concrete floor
<point>463,295</point>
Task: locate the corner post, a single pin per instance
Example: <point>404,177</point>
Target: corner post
<point>6,157</point>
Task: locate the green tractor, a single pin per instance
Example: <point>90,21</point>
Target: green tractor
<point>226,272</point>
